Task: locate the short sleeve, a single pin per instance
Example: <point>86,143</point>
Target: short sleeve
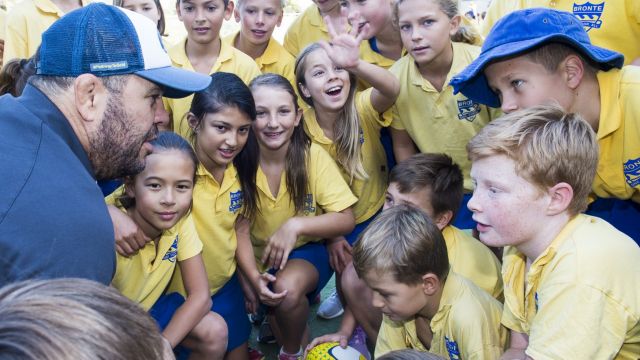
<point>331,191</point>
<point>189,244</point>
<point>368,114</point>
<point>576,321</point>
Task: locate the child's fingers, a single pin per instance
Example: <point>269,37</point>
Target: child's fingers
<point>325,46</point>
<point>330,29</point>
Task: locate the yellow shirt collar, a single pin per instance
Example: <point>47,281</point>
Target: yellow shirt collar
<point>450,294</point>
<point>178,55</point>
<point>316,19</point>
<point>313,129</point>
<point>229,179</point>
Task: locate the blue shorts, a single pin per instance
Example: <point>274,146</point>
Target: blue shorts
<point>316,254</point>
<point>387,144</point>
<point>623,214</point>
<point>463,218</point>
<point>352,237</point>
<point>228,302</point>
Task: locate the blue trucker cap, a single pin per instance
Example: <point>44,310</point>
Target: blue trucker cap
<point>519,32</point>
<point>105,40</point>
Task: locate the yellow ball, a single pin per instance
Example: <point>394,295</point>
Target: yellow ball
<point>333,351</point>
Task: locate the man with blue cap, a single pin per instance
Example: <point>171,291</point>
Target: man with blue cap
<point>86,115</point>
<point>541,55</point>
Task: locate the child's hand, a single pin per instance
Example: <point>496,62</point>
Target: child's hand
<point>267,296</point>
<point>339,253</point>
<point>344,48</point>
<point>251,300</point>
<point>280,244</point>
<point>335,337</point>
<point>129,237</point>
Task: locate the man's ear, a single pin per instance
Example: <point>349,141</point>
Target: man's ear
<point>91,98</point>
<point>561,195</point>
<point>430,284</point>
<point>573,71</point>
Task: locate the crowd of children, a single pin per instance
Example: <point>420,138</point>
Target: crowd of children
<point>278,175</point>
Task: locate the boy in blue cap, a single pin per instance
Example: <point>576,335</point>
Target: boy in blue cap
<point>541,55</point>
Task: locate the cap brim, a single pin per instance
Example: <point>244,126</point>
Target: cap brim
<point>473,84</point>
<point>176,83</point>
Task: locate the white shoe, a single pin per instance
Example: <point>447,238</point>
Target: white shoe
<point>331,307</point>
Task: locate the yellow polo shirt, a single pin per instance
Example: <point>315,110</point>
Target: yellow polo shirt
<point>466,326</point>
<point>611,24</point>
<point>439,122</point>
<point>275,59</point>
<point>473,260</point>
<point>580,298</point>
<point>26,22</point>
<point>618,173</point>
<point>308,28</point>
<point>370,192</point>
<point>327,193</point>
<point>144,277</point>
<point>229,60</point>
<point>215,210</point>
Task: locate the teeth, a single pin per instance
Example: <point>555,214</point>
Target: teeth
<point>335,88</point>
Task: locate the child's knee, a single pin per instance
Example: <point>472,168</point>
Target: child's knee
<point>212,334</point>
<point>294,290</point>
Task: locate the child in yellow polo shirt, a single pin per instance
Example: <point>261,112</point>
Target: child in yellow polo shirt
<point>432,183</point>
<point>27,20</point>
<point>428,117</point>
<point>310,27</point>
<point>402,257</point>
<point>258,19</point>
<point>225,190</point>
<point>302,200</point>
<point>571,280</point>
<point>612,25</point>
<point>203,51</point>
<point>158,200</point>
<point>536,56</point>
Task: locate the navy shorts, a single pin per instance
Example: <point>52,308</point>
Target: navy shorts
<point>228,302</point>
<point>316,254</point>
<point>623,214</point>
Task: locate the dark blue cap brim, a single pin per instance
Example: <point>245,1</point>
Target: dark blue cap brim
<point>472,83</point>
<point>176,83</point>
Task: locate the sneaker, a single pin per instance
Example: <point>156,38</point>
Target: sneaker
<point>358,341</point>
<point>255,354</point>
<point>331,307</point>
<point>258,317</point>
<point>284,356</point>
<point>265,335</point>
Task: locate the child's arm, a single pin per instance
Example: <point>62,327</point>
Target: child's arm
<point>128,236</point>
<point>403,146</point>
<point>197,304</point>
<point>247,263</point>
<point>347,325</point>
<point>344,51</point>
<point>327,225</point>
<point>339,253</point>
<point>518,344</point>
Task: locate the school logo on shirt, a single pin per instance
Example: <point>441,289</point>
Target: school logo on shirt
<point>467,110</point>
<point>308,204</point>
<point>589,14</point>
<point>361,136</point>
<point>452,348</point>
<point>535,296</point>
<point>632,172</point>
<point>235,201</point>
<point>172,252</point>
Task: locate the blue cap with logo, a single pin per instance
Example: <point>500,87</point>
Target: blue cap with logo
<point>519,32</point>
<point>105,40</point>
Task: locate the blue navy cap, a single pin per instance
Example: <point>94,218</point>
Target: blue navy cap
<point>105,40</point>
<point>521,31</point>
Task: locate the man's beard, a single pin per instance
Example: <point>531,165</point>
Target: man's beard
<point>115,148</point>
